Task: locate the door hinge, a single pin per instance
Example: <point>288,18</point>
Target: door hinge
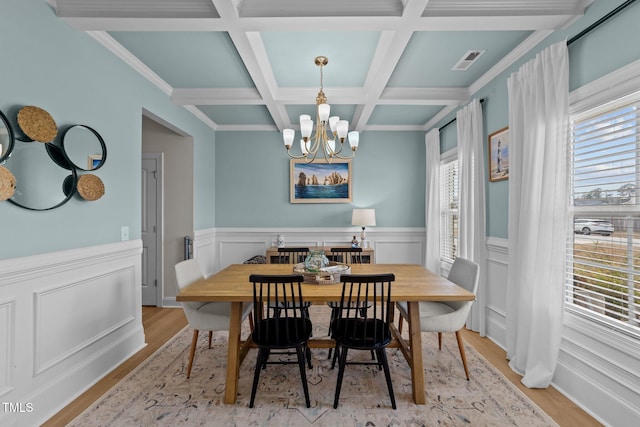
<point>155,282</point>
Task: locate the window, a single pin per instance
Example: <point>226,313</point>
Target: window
<point>448,210</point>
<point>604,255</point>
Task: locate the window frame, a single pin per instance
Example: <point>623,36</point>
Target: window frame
<point>597,104</point>
<point>445,159</point>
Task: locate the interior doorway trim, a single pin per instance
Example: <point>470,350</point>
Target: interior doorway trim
<point>158,157</point>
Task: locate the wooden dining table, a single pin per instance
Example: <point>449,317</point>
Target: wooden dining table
<point>413,283</point>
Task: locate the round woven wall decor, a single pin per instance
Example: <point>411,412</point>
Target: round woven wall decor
<point>90,187</point>
<point>37,124</point>
<point>7,183</point>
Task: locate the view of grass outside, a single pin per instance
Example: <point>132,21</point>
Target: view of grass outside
<point>606,276</point>
<point>604,258</point>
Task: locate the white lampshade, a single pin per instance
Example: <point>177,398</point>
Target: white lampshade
<point>363,217</point>
<point>287,136</point>
<point>323,112</point>
<point>333,122</point>
<point>343,128</point>
<point>306,125</point>
<point>354,139</point>
<point>331,146</point>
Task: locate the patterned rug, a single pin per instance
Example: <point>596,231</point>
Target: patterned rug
<point>157,393</point>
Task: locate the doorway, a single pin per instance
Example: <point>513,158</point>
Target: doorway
<point>172,153</point>
<point>151,229</point>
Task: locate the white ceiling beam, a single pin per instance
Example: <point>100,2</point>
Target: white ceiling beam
<point>253,54</point>
<point>525,22</point>
<point>423,96</point>
<point>336,95</point>
<point>208,96</point>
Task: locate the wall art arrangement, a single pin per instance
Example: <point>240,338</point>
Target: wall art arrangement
<point>42,169</point>
<point>499,155</point>
<point>321,182</point>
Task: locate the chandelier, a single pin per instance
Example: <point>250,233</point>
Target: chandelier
<point>323,142</point>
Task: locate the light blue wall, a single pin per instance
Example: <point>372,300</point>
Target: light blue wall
<point>607,48</point>
<point>252,182</point>
<point>48,64</point>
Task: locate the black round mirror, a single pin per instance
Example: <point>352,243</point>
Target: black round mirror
<point>84,148</point>
<point>7,139</point>
<point>41,184</point>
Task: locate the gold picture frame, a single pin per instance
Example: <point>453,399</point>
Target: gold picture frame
<point>93,161</point>
<point>320,182</point>
<point>499,155</point>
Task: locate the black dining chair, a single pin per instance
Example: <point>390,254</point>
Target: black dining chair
<point>345,256</point>
<point>292,255</point>
<point>285,329</point>
<point>353,330</point>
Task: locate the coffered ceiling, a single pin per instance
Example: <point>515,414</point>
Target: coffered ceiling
<point>249,64</point>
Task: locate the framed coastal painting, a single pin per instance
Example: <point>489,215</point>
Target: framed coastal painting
<point>499,155</point>
<point>320,182</point>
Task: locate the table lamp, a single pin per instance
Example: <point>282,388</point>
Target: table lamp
<point>363,218</point>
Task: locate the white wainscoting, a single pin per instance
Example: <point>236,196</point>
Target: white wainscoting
<point>66,320</point>
<point>598,369</point>
<point>7,337</point>
<point>496,292</point>
<point>235,245</point>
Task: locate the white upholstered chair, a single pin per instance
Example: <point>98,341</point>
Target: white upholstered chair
<point>448,316</point>
<point>202,316</point>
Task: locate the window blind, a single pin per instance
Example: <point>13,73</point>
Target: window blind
<point>449,211</point>
<point>604,252</point>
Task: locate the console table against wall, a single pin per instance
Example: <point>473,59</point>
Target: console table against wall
<point>368,255</point>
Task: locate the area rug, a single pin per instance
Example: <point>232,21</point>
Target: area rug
<point>157,392</point>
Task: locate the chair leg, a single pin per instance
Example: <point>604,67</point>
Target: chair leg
<point>303,374</point>
<point>382,358</point>
<point>192,353</point>
<point>439,340</point>
<point>306,315</point>
<point>462,354</point>
<point>307,350</point>
<point>342,364</point>
<point>334,316</point>
<point>262,354</point>
<point>336,355</point>
<point>210,335</point>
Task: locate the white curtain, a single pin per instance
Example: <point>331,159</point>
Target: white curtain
<point>538,141</point>
<point>432,201</point>
<point>471,232</point>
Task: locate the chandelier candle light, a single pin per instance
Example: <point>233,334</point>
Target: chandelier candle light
<point>311,144</point>
<point>363,218</point>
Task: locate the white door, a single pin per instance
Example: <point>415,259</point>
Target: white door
<point>151,229</point>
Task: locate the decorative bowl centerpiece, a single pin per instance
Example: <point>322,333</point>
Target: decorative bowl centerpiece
<point>328,275</point>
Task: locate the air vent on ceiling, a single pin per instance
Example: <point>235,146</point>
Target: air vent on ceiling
<point>467,59</point>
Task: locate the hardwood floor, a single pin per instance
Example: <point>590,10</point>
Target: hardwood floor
<point>555,404</point>
<point>160,324</point>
